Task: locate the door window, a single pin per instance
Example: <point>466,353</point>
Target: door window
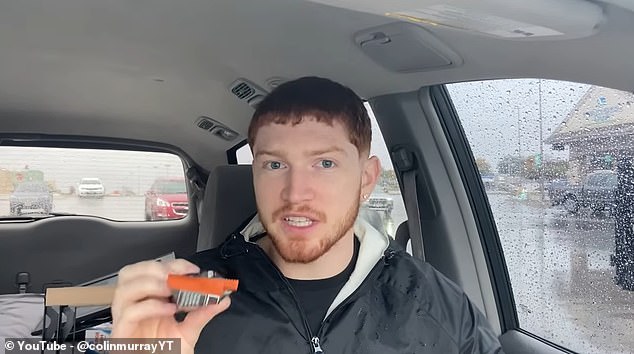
<point>568,248</point>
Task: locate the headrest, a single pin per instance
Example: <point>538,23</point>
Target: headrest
<point>228,202</point>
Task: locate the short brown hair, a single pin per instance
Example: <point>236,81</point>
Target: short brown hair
<point>323,99</point>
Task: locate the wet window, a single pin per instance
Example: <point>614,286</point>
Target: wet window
<point>118,185</point>
<point>556,161</point>
<point>386,200</point>
<point>244,156</point>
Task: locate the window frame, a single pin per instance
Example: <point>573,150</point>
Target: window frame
<point>99,143</point>
<point>232,153</point>
<point>485,223</point>
<point>513,335</point>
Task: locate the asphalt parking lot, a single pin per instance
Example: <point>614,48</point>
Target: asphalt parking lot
<point>111,207</point>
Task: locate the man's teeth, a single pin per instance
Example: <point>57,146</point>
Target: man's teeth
<point>298,221</point>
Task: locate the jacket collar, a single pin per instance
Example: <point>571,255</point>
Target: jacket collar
<point>373,246</point>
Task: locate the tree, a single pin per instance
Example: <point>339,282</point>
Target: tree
<point>510,165</point>
<point>483,166</point>
<point>550,169</point>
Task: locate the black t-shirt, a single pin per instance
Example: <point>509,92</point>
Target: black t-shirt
<point>315,296</point>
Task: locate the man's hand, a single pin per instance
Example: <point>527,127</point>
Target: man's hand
<point>141,307</point>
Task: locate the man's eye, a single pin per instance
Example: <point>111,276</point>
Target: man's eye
<point>327,164</point>
<point>274,165</point>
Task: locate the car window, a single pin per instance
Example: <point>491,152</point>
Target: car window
<point>605,180</point>
<point>31,188</point>
<point>90,181</point>
<point>593,180</point>
<point>384,208</point>
<point>170,187</point>
<point>244,155</point>
<point>535,142</point>
<point>112,184</point>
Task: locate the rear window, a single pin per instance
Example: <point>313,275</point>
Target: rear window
<point>603,180</point>
<point>170,187</point>
<point>90,181</point>
<point>114,184</point>
<point>31,187</point>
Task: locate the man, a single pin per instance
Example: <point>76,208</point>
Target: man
<point>311,278</point>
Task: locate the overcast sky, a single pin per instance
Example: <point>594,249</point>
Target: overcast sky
<point>488,110</point>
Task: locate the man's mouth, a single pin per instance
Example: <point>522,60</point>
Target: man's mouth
<point>298,221</point>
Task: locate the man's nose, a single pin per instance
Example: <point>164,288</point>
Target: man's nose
<point>298,187</point>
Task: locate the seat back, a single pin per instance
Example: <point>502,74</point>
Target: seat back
<point>229,200</point>
<point>402,237</point>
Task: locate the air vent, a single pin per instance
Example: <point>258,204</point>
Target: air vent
<point>243,91</point>
<point>247,91</point>
<point>217,129</point>
<point>205,123</point>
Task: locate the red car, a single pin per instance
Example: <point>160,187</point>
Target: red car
<point>167,199</point>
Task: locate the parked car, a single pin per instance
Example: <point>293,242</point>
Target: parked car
<point>30,197</point>
<point>557,190</point>
<point>91,187</point>
<point>597,192</point>
<point>167,199</point>
<point>488,180</point>
<point>380,203</point>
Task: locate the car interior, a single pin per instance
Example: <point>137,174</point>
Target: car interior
<point>183,78</point>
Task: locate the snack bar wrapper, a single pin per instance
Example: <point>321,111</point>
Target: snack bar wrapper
<point>208,287</point>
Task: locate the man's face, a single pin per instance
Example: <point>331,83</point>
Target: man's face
<point>309,180</point>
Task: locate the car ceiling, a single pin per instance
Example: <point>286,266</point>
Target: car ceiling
<point>148,69</point>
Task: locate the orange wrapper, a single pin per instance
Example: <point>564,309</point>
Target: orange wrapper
<point>201,285</point>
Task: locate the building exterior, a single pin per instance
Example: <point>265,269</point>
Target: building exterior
<point>9,179</point>
<point>6,181</point>
<point>598,132</point>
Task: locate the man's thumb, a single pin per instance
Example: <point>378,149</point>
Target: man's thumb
<point>196,320</point>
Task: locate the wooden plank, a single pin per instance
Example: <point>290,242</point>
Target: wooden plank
<point>80,296</point>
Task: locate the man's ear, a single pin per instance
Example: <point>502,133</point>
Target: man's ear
<point>370,175</point>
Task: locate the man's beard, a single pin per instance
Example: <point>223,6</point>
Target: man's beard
<point>307,250</point>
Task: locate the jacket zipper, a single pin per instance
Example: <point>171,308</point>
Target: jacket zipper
<point>314,340</point>
<point>348,299</point>
<point>316,346</point>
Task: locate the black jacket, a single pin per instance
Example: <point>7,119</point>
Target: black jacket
<point>392,303</point>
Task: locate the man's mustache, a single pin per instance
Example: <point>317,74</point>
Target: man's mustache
<point>303,209</point>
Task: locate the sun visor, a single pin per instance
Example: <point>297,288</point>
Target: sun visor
<point>405,47</point>
<point>503,19</point>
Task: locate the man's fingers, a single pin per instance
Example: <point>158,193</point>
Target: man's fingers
<point>147,279</point>
<point>151,308</point>
<point>129,294</point>
<point>197,319</point>
<point>181,266</point>
<point>155,269</point>
<point>148,309</point>
<point>145,268</point>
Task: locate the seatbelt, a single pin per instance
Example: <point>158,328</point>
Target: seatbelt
<point>405,161</point>
<point>197,189</point>
<point>413,214</point>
